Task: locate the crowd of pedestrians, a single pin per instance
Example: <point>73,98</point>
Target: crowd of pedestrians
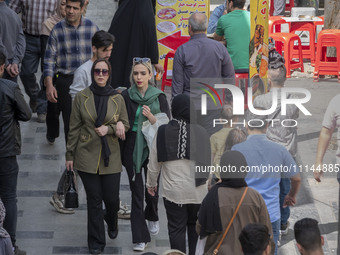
<point>234,212</point>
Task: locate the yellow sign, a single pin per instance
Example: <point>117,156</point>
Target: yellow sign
<point>258,48</point>
<point>172,22</point>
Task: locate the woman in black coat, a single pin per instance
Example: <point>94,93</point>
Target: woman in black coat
<point>142,101</point>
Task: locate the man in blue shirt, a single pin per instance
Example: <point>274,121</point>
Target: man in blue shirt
<point>218,12</point>
<point>267,162</point>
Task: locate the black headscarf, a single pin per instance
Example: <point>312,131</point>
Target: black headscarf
<point>209,215</point>
<point>101,97</point>
<point>135,31</point>
<point>182,139</point>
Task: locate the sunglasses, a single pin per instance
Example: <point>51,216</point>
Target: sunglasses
<point>141,60</point>
<point>97,72</point>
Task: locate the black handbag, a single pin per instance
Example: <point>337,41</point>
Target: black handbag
<point>71,195</point>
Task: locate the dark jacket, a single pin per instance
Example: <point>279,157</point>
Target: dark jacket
<point>127,146</point>
<point>13,108</point>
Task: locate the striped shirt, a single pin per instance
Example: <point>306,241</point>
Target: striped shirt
<point>68,47</point>
<point>34,13</point>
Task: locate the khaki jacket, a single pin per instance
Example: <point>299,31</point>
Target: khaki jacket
<point>84,146</point>
<point>252,210</point>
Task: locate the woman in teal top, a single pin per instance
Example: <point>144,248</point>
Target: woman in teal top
<point>142,101</point>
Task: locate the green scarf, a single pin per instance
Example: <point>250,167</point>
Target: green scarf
<point>141,151</point>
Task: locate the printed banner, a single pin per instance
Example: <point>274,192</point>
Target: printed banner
<point>172,23</point>
<point>258,47</point>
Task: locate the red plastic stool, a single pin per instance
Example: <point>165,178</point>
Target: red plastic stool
<point>323,64</point>
<point>167,81</point>
<point>288,39</point>
<point>276,22</point>
<point>238,77</point>
<point>308,51</point>
<point>289,7</point>
<point>318,23</point>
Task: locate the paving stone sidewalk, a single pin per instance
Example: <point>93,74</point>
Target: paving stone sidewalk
<point>43,231</point>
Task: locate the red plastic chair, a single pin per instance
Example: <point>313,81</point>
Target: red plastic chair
<point>276,22</point>
<point>288,39</point>
<point>323,64</point>
<point>318,23</point>
<point>167,81</point>
<point>308,51</point>
<point>289,6</point>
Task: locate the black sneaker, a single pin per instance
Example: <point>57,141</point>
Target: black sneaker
<point>284,229</point>
<point>50,140</point>
<point>17,251</point>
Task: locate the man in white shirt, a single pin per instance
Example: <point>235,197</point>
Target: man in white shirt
<point>102,44</point>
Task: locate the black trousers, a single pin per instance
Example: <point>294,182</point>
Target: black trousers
<point>9,170</point>
<point>62,84</point>
<point>140,231</point>
<point>181,220</point>
<point>100,188</point>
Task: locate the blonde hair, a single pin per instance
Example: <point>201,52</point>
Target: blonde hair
<point>148,65</point>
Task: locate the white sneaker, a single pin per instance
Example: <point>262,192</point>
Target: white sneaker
<point>284,228</point>
<point>139,246</point>
<point>153,227</point>
<point>124,212</point>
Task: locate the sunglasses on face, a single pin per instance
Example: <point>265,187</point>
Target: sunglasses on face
<point>104,72</point>
<point>141,60</point>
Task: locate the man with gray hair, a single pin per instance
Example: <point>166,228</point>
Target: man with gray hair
<point>201,57</point>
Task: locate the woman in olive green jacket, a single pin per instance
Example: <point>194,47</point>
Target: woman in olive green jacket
<point>98,119</point>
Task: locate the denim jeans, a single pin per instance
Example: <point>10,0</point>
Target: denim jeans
<point>29,67</point>
<point>8,192</point>
<point>42,99</point>
<point>276,233</point>
<point>284,190</point>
